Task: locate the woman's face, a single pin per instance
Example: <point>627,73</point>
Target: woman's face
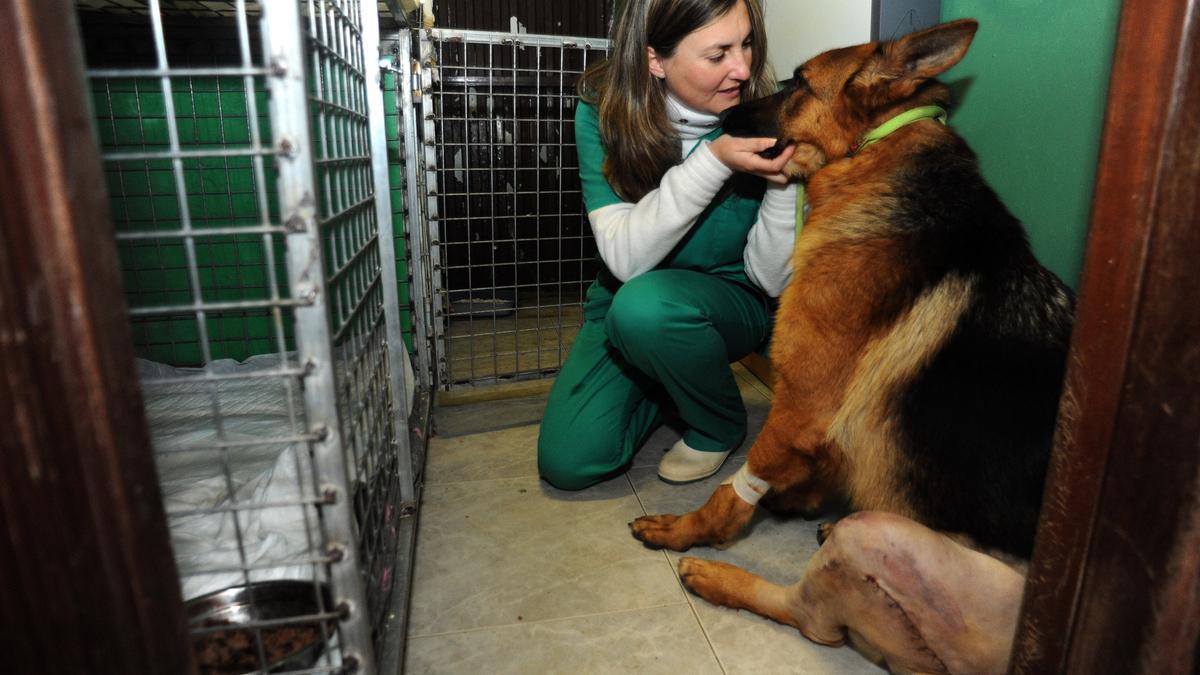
<point>711,63</point>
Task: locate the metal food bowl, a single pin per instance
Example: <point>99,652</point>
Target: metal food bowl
<point>221,619</point>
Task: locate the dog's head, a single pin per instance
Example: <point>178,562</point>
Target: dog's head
<point>836,97</point>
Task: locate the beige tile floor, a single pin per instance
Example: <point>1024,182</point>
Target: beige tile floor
<point>513,576</point>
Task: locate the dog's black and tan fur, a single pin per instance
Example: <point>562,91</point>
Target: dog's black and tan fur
<point>920,349</point>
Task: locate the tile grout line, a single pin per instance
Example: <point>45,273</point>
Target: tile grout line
<point>480,480</point>
<point>494,430</point>
<point>535,622</point>
<point>687,597</point>
<point>703,629</point>
<point>641,507</point>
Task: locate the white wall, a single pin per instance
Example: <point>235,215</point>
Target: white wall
<point>798,30</point>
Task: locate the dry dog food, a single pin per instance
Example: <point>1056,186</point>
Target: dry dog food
<point>235,651</point>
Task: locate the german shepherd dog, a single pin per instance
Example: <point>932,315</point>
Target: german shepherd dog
<point>919,355</point>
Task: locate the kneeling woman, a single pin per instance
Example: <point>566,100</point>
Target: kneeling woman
<point>695,231</point>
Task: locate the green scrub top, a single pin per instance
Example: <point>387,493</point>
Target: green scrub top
<point>716,244</point>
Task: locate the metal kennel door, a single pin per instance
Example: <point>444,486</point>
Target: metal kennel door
<point>257,188</point>
<point>498,232</point>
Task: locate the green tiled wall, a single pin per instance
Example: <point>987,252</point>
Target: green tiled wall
<point>211,113</point>
<point>396,180</point>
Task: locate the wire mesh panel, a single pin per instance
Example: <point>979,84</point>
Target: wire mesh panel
<point>192,172</point>
<point>198,8</point>
<point>409,165</point>
<point>508,239</point>
<point>215,110</point>
<point>349,179</point>
<point>237,140</point>
<point>580,17</point>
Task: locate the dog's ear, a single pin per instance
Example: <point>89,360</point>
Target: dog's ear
<point>899,67</point>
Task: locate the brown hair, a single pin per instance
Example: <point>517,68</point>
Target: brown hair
<point>632,104</point>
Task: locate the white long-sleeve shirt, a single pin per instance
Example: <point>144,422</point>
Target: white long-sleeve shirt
<point>635,237</point>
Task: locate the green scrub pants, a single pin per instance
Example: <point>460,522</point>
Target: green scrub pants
<point>668,332</point>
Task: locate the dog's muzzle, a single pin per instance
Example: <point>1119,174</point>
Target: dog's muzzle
<point>758,119</point>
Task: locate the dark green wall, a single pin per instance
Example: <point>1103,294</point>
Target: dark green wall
<point>1032,95</point>
<point>212,113</point>
<point>396,180</point>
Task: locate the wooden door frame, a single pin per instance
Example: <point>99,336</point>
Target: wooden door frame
<point>90,585</point>
<point>1114,584</point>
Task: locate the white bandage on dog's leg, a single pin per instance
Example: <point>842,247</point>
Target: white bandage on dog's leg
<point>749,487</point>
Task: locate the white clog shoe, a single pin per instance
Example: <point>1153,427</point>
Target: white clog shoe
<point>684,464</point>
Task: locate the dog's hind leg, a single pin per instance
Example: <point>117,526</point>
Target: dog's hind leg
<point>919,600</point>
<point>731,586</point>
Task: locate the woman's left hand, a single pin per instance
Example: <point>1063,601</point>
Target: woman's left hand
<point>741,154</point>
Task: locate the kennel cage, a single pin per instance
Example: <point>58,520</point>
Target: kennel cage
<point>495,215</point>
<point>244,153</point>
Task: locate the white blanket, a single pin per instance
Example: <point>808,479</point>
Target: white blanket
<point>181,416</point>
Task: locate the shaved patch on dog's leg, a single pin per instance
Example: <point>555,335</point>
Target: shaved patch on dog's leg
<point>916,641</point>
<point>920,598</point>
<point>838,596</point>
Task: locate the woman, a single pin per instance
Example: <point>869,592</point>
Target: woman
<point>693,240</point>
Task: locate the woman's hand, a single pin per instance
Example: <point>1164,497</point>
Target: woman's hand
<point>741,154</point>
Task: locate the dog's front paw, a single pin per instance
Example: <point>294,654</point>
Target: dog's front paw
<point>664,531</point>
